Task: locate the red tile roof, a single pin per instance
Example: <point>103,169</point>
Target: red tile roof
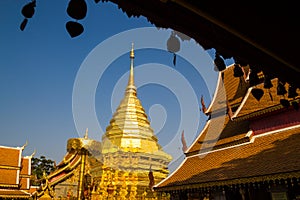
<point>14,173</point>
<point>269,102</point>
<point>219,132</point>
<point>14,158</point>
<point>227,152</point>
<point>9,177</point>
<point>25,173</point>
<point>268,157</point>
<point>229,88</point>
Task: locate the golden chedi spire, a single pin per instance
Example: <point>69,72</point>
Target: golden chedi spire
<point>130,86</point>
<point>129,147</point>
<point>129,128</point>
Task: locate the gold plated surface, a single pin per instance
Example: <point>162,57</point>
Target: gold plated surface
<point>130,150</point>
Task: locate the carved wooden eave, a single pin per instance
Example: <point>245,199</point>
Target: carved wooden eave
<point>268,38</point>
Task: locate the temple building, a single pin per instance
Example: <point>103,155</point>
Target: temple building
<point>124,165</point>
<point>133,161</point>
<point>249,147</point>
<point>15,172</point>
<point>72,177</point>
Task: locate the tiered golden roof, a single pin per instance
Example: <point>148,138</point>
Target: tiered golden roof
<point>129,128</point>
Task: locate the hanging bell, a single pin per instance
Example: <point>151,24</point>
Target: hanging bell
<point>292,92</point>
<point>281,89</point>
<point>237,71</point>
<point>257,93</point>
<point>219,62</point>
<point>74,28</point>
<point>239,62</point>
<point>267,82</point>
<point>173,43</point>
<point>253,78</point>
<point>28,9</point>
<point>77,9</point>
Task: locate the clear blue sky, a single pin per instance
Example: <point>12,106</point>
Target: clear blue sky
<point>39,67</point>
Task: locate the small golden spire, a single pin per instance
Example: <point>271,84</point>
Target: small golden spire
<point>86,133</point>
<point>132,51</point>
<point>131,76</point>
<point>23,147</point>
<point>33,153</point>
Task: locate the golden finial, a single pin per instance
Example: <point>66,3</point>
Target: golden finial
<point>33,153</point>
<point>23,147</point>
<point>86,133</point>
<point>131,76</point>
<point>132,51</point>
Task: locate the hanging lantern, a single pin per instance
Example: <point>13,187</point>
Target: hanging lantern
<point>280,88</point>
<point>173,45</point>
<point>219,62</point>
<point>238,71</point>
<point>257,93</point>
<point>74,28</point>
<point>77,9</point>
<point>292,92</point>
<point>27,11</point>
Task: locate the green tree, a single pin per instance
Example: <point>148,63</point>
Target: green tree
<point>39,166</point>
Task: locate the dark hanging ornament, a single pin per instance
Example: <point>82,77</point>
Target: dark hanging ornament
<point>27,11</point>
<point>253,78</point>
<point>173,45</point>
<point>77,9</point>
<point>267,82</point>
<point>292,92</point>
<point>23,24</point>
<point>239,62</point>
<point>281,89</point>
<point>237,71</point>
<point>174,59</point>
<point>74,28</point>
<point>257,93</point>
<point>219,62</point>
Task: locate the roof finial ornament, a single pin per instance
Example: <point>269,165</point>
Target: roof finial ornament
<point>86,133</point>
<point>23,147</point>
<point>33,153</point>
<point>132,51</point>
<point>131,76</point>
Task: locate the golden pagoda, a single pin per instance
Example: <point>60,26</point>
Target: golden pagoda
<point>133,161</point>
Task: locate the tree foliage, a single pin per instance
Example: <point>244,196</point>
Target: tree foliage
<point>39,166</point>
